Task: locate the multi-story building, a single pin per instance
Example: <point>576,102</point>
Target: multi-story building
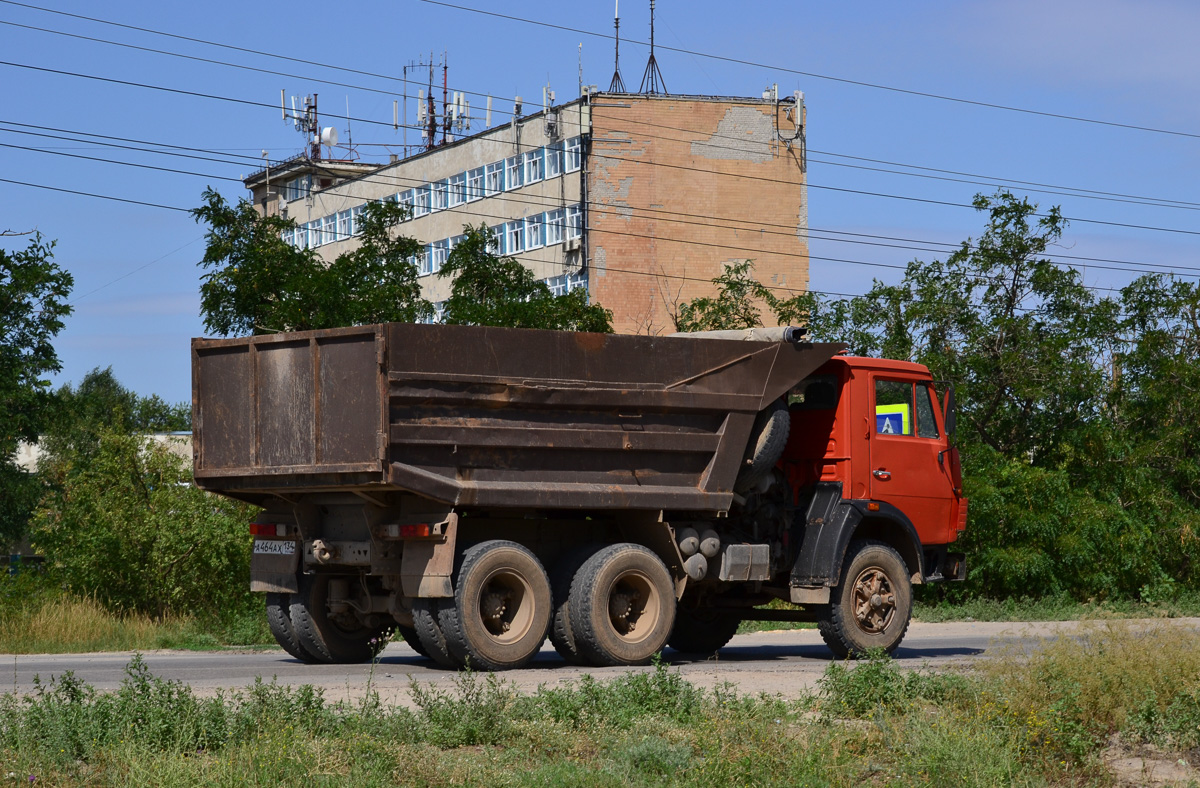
<point>642,199</point>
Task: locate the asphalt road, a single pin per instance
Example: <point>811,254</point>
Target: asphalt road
<point>782,662</point>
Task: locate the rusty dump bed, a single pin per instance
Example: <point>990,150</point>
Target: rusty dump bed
<point>486,417</point>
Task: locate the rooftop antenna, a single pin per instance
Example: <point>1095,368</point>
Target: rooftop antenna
<point>652,81</point>
<point>581,68</point>
<point>618,84</point>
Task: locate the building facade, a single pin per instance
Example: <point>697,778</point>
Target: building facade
<point>642,199</point>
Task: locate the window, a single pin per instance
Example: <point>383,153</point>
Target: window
<point>288,237</point>
<point>423,261</point>
<point>533,232</point>
<point>439,313</point>
<point>893,407</point>
<point>421,200</point>
<point>312,235</point>
<point>572,154</point>
<point>512,172</point>
<point>343,225</point>
<point>516,237</point>
<point>441,194</point>
<point>533,165</point>
<point>817,392</point>
<point>554,160</point>
<point>574,222</point>
<point>455,241</point>
<point>561,285</point>
<point>440,251</point>
<point>498,237</point>
<point>356,219</point>
<point>475,184</point>
<point>458,189</point>
<point>297,188</point>
<point>406,202</point>
<point>554,227</point>
<point>493,178</point>
<point>926,423</point>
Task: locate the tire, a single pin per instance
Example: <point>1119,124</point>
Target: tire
<point>326,639</point>
<point>622,606</point>
<point>767,442</point>
<point>561,576</point>
<point>701,632</point>
<point>410,637</point>
<point>502,607</point>
<point>279,619</point>
<point>429,632</point>
<point>872,605</point>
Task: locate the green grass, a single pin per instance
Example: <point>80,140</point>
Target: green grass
<point>1054,608</point>
<point>1033,721</point>
<point>38,618</point>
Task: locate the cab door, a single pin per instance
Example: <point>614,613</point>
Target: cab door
<point>906,439</point>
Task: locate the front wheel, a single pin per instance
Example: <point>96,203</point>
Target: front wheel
<point>872,604</point>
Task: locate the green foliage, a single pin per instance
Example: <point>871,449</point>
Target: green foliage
<point>736,305</point>
<point>876,686</point>
<point>490,290</point>
<point>100,402</point>
<point>33,304</point>
<point>258,283</point>
<point>121,521</point>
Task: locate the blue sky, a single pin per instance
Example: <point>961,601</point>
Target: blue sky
<point>136,301</point>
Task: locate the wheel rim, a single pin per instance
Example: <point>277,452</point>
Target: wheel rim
<point>506,606</point>
<point>634,607</point>
<point>874,601</point>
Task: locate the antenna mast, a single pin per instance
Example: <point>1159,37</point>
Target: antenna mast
<point>652,80</point>
<point>618,84</point>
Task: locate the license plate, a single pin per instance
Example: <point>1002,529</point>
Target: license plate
<point>274,547</point>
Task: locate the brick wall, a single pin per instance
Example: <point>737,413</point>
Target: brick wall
<point>676,188</point>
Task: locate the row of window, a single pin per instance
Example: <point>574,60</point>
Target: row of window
<point>511,173</point>
<point>559,285</point>
<point>519,235</point>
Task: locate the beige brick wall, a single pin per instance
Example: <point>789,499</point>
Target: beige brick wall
<point>676,188</point>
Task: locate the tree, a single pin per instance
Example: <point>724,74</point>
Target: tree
<point>491,290</point>
<point>736,304</point>
<point>100,403</point>
<point>258,283</point>
<point>124,523</point>
<point>33,304</point>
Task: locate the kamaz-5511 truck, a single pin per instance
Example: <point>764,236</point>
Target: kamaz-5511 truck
<point>477,490</point>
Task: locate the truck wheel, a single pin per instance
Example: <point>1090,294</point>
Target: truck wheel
<point>429,633</point>
<point>329,639</point>
<point>767,441</point>
<point>702,632</point>
<point>502,607</point>
<point>565,568</point>
<point>872,605</point>
<point>279,619</point>
<point>622,606</point>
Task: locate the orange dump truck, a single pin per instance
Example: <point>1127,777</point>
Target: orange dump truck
<point>480,489</point>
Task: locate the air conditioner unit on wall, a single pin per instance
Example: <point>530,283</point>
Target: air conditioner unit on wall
<point>571,244</point>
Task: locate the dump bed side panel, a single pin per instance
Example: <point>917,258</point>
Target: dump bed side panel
<point>517,418</point>
<point>297,410</point>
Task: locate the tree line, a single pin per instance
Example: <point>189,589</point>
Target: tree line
<point>1076,408</point>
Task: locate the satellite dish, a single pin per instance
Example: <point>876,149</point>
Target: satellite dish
<point>329,136</point>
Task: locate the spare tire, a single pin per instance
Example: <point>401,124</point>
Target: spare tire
<point>766,444</point>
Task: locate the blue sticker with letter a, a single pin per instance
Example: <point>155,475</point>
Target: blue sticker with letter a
<point>889,424</point>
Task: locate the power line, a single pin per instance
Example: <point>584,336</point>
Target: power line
<point>125,163</point>
<point>545,202</point>
<point>92,194</point>
<point>1040,187</point>
<point>814,75</point>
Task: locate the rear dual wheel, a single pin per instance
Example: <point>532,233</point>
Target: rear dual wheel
<point>621,606</point>
<point>328,637</point>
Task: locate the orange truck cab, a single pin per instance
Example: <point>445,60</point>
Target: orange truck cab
<point>869,455</point>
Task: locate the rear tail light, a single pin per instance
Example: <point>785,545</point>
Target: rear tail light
<point>417,529</point>
<point>268,529</point>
